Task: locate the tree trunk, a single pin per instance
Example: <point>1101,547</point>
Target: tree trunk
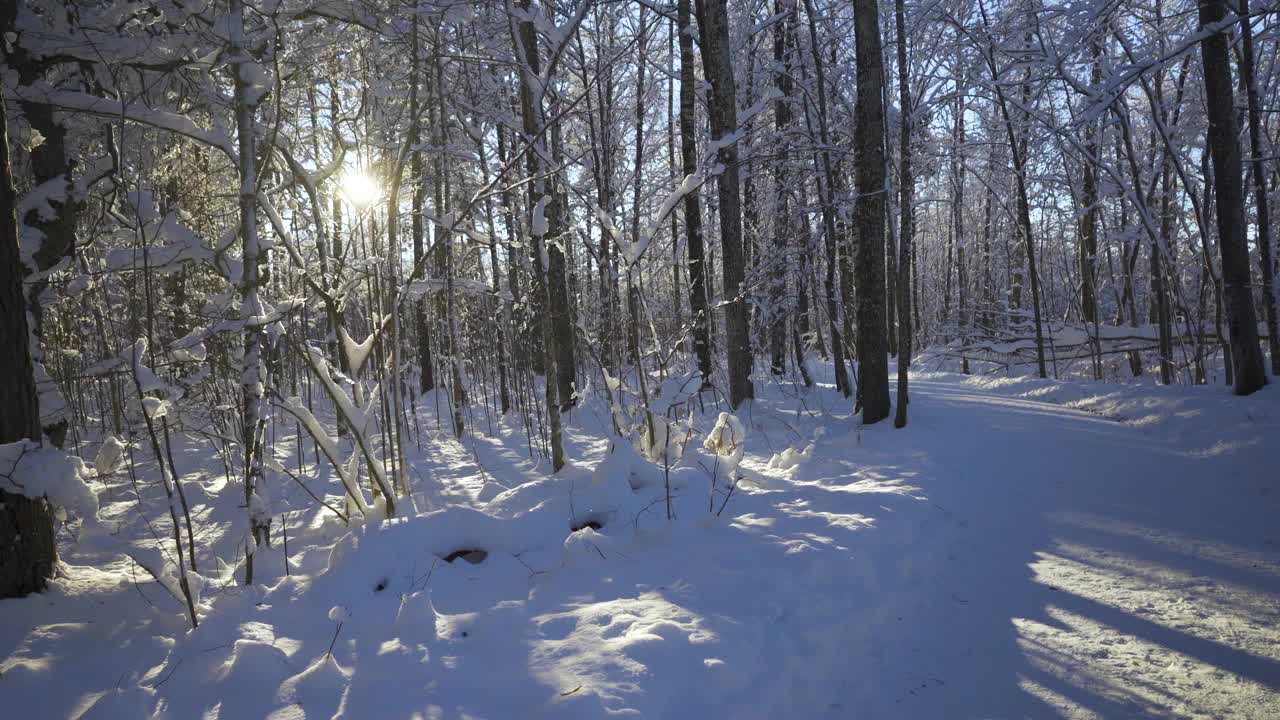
<point>1270,293</point>
<point>253,375</point>
<point>558,274</point>
<point>1246,353</point>
<point>422,327</point>
<point>540,196</point>
<point>907,222</point>
<point>444,241</point>
<point>51,174</point>
<point>1089,218</point>
<point>782,230</point>
<point>26,524</point>
<point>957,210</point>
<point>1016,149</point>
<point>873,362</point>
<point>500,334</point>
<point>633,291</point>
<point>713,24</point>
<point>826,186</point>
<point>692,204</point>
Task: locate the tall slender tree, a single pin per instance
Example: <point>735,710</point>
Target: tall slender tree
<point>713,25</point>
<point>1258,173</point>
<point>1224,149</point>
<point>253,373</point>
<point>906,225</point>
<point>870,185</point>
<point>826,190</point>
<point>692,202</point>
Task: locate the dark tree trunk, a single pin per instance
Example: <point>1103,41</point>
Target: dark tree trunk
<point>827,188</point>
<point>907,222</point>
<point>713,24</point>
<point>873,361</point>
<point>540,197</point>
<point>49,166</point>
<point>692,206</point>
<point>1269,291</point>
<point>1089,218</point>
<point>633,290</point>
<point>559,273</point>
<point>1246,353</point>
<point>27,550</point>
<point>957,209</point>
<point>782,230</point>
<point>422,327</point>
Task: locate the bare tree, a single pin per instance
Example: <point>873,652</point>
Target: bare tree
<point>873,360</point>
<point>713,24</point>
<point>692,202</point>
<point>906,226</point>
<point>1224,148</point>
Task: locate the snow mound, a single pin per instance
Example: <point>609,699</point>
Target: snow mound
<point>34,471</point>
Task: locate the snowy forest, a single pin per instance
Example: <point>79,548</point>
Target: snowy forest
<point>641,358</point>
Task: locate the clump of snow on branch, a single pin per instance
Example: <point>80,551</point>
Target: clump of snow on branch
<point>34,471</point>
<point>726,439</point>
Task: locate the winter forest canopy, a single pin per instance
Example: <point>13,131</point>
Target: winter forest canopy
<point>347,342</point>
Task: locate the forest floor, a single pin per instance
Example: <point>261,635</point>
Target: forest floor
<point>1024,548</point>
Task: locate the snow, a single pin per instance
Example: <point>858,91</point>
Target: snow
<point>155,407</point>
<point>632,252</point>
<point>107,460</point>
<point>145,377</point>
<point>539,225</point>
<point>356,352</point>
<point>34,471</point>
<point>1024,548</point>
<point>135,112</point>
<point>791,457</point>
<point>727,439</point>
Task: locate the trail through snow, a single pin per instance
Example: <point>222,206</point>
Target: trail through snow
<point>1003,557</point>
<point>1095,569</point>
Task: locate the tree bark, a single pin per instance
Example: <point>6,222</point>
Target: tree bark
<point>873,362</point>
<point>253,375</point>
<point>422,328</point>
<point>51,172</point>
<point>906,225</point>
<point>1246,353</point>
<point>540,196</point>
<point>1016,150</point>
<point>782,230</point>
<point>1089,187</point>
<point>957,209</point>
<point>692,202</point>
<point>27,549</point>
<point>826,186</point>
<point>1270,293</point>
<point>713,24</point>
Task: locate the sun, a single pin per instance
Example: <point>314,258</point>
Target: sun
<point>360,188</point>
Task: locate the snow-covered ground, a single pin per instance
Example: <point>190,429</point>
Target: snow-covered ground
<point>1024,548</point>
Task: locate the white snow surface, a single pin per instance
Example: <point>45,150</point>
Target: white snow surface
<point>1024,548</point>
<point>34,471</point>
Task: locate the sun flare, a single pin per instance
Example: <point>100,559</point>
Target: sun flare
<point>360,188</point>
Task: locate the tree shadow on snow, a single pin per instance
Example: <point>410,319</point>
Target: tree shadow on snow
<point>1089,572</point>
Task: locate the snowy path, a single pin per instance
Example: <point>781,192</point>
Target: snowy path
<point>1001,558</point>
<point>1095,570</point>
